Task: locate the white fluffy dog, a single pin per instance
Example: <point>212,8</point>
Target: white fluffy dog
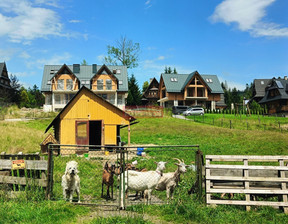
<point>71,181</point>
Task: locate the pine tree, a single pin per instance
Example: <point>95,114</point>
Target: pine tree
<point>134,94</point>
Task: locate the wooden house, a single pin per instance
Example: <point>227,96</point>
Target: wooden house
<point>190,90</point>
<point>61,82</point>
<point>276,96</point>
<point>151,96</point>
<point>88,119</point>
<point>4,78</point>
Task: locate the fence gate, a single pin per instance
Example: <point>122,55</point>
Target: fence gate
<point>91,162</point>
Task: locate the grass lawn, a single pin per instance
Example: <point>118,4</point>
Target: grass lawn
<point>26,137</point>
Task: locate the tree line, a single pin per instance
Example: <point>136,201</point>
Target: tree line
<point>21,96</point>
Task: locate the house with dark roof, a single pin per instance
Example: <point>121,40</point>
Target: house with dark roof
<point>61,82</point>
<point>4,78</point>
<point>259,86</point>
<point>190,90</point>
<point>276,96</point>
<point>150,96</point>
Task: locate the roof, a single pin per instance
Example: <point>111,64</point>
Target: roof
<point>281,85</point>
<point>2,65</point>
<point>83,88</point>
<point>154,80</point>
<point>178,85</point>
<point>86,73</point>
<point>260,85</point>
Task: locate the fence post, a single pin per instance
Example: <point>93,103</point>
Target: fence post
<point>49,190</point>
<point>199,165</point>
<point>122,181</point>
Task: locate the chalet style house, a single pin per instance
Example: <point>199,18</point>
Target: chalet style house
<point>4,78</point>
<point>276,96</point>
<point>150,96</point>
<point>60,83</point>
<point>190,90</point>
<point>259,87</point>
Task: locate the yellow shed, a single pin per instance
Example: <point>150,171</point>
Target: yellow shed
<point>88,119</point>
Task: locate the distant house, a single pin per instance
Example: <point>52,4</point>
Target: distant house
<point>259,86</point>
<point>276,96</point>
<point>4,78</point>
<point>88,119</point>
<point>61,82</point>
<point>150,96</point>
<point>190,90</point>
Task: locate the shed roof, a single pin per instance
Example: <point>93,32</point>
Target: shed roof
<point>83,88</point>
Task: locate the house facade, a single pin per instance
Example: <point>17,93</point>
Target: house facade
<point>4,77</point>
<point>151,96</point>
<point>88,119</point>
<point>60,83</point>
<point>190,90</point>
<point>276,96</point>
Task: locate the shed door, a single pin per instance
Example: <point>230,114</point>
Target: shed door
<point>82,132</point>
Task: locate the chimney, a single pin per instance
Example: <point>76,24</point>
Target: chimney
<point>94,68</point>
<point>76,68</point>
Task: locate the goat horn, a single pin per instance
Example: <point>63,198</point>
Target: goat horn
<point>178,160</point>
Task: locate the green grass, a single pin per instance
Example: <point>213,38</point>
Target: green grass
<point>39,212</point>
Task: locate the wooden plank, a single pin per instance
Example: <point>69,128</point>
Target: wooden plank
<point>30,164</point>
<point>283,186</point>
<point>256,203</point>
<point>242,157</point>
<point>250,179</point>
<point>23,181</point>
<point>242,167</point>
<point>246,191</point>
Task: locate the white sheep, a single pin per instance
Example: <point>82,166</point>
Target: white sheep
<point>144,181</point>
<point>170,180</point>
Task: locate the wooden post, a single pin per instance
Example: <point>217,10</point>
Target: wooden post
<point>246,174</point>
<point>49,189</point>
<point>129,134</point>
<point>283,186</point>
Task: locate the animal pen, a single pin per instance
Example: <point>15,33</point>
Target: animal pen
<point>92,160</point>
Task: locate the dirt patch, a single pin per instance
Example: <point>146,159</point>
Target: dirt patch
<point>105,212</point>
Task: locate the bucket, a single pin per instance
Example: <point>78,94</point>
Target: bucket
<point>86,155</point>
<point>106,153</point>
<point>139,151</point>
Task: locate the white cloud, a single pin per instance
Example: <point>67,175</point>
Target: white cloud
<point>248,15</point>
<point>147,2</point>
<point>74,21</point>
<point>231,84</point>
<point>53,60</point>
<point>160,58</point>
<point>22,21</point>
<point>24,55</point>
<point>100,58</point>
<point>6,54</point>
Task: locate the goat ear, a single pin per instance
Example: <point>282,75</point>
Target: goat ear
<point>176,164</point>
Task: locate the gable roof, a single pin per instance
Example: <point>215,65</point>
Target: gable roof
<point>86,72</point>
<point>83,88</point>
<point>260,85</point>
<point>2,65</point>
<point>184,79</point>
<point>281,85</point>
<point>151,83</point>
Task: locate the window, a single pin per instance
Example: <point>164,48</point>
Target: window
<point>81,129</point>
<point>262,82</point>
<point>111,98</point>
<point>60,84</point>
<point>108,84</point>
<point>48,99</point>
<point>120,82</point>
<point>100,84</point>
<point>69,84</point>
<point>118,71</point>
<point>57,99</point>
<point>173,79</point>
<point>119,100</point>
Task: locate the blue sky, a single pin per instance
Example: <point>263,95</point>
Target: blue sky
<point>238,40</point>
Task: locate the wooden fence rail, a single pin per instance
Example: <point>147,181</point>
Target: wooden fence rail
<point>18,171</point>
<point>252,177</point>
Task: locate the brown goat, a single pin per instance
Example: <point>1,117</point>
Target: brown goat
<point>108,179</point>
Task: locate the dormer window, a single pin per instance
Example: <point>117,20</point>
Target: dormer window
<point>120,82</point>
<point>173,79</point>
<point>99,84</point>
<point>108,84</point>
<point>60,84</point>
<point>118,71</point>
<point>69,84</point>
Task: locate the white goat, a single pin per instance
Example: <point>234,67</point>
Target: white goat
<point>170,180</point>
<point>141,181</point>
